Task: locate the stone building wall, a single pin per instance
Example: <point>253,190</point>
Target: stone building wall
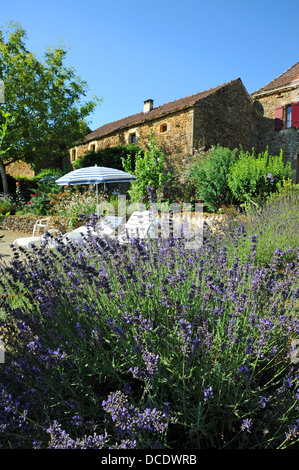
<point>172,133</point>
<point>286,139</point>
<point>19,168</point>
<point>227,117</point>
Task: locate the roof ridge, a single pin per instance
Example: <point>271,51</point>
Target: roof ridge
<point>199,92</point>
<point>130,118</point>
<point>267,86</point>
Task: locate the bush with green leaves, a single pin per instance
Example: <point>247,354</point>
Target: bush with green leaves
<point>49,174</point>
<point>210,176</point>
<point>39,203</point>
<point>150,172</point>
<point>7,204</point>
<point>253,178</point>
<point>110,157</point>
<point>73,202</point>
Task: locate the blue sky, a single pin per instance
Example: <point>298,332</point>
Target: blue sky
<point>130,51</point>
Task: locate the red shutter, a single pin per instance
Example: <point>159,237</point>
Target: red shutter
<point>295,114</point>
<point>278,118</point>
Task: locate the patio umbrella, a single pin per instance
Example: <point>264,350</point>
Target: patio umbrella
<point>95,175</point>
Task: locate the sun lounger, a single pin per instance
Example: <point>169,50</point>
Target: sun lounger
<point>141,225</point>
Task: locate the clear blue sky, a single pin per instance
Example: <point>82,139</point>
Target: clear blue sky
<point>130,51</point>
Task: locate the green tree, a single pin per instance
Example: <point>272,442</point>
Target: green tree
<point>45,99</point>
<point>6,120</point>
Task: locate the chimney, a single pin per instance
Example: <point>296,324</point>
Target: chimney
<point>148,105</point>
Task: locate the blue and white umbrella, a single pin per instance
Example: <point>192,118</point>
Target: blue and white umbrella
<point>95,175</point>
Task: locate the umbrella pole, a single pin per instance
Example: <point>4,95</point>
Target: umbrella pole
<point>97,202</point>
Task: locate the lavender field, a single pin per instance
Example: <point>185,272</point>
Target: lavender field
<point>150,345</point>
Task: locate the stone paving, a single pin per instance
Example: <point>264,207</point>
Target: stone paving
<point>5,242</point>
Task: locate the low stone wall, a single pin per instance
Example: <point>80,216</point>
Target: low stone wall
<point>25,223</point>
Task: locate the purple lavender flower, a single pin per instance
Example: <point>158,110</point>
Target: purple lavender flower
<point>151,367</point>
<point>270,176</point>
<point>293,431</point>
<point>60,439</point>
<point>132,419</point>
<point>208,393</point>
<point>246,425</point>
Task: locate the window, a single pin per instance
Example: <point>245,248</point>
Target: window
<point>287,116</point>
<point>92,147</point>
<point>132,138</point>
<point>163,128</point>
<point>73,155</point>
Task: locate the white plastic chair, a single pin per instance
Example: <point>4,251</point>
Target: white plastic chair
<point>40,223</point>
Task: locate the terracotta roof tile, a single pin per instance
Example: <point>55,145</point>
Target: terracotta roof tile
<point>284,79</point>
<point>154,113</point>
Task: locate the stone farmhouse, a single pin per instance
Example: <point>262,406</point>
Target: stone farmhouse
<point>225,114</point>
<point>277,104</point>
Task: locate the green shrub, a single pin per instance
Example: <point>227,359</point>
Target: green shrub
<point>39,203</point>
<point>254,178</point>
<point>47,173</point>
<point>285,188</point>
<point>210,177</point>
<point>150,172</point>
<point>41,192</point>
<point>7,204</point>
<point>181,185</point>
<point>110,157</point>
<point>73,203</point>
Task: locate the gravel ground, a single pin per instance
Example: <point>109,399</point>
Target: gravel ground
<point>8,238</point>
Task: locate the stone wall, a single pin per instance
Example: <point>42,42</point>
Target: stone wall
<point>227,117</point>
<point>20,168</point>
<point>286,139</point>
<point>172,133</point>
<point>25,223</point>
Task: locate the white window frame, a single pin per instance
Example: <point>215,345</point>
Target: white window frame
<point>76,154</point>
<point>130,133</point>
<point>93,143</point>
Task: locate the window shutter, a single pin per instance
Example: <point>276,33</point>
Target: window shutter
<point>295,114</point>
<point>278,118</point>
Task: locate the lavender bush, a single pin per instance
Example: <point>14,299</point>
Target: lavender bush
<point>276,225</point>
<point>149,345</point>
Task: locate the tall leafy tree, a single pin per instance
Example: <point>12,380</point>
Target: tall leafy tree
<point>44,99</point>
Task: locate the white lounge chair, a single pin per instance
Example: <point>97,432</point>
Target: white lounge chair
<point>28,242</point>
<point>75,235</point>
<point>142,224</point>
<point>109,224</point>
